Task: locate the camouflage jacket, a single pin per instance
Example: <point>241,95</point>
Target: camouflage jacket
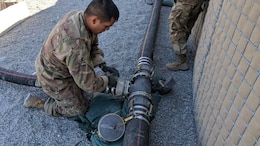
<point>68,55</point>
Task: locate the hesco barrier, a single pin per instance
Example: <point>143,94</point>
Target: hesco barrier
<point>226,74</point>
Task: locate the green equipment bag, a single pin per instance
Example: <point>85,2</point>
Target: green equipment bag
<point>101,105</point>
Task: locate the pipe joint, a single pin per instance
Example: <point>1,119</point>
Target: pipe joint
<point>144,68</point>
<point>140,105</point>
<point>140,93</point>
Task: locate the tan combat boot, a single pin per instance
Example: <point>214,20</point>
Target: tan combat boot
<point>32,101</point>
<point>182,64</point>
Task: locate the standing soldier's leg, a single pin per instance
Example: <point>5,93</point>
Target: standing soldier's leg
<point>181,20</point>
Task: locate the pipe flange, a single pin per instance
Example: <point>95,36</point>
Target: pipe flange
<point>140,93</point>
<point>144,64</point>
<point>145,60</point>
<point>122,88</point>
<point>141,74</point>
<point>142,118</point>
<point>143,108</point>
<point>139,115</point>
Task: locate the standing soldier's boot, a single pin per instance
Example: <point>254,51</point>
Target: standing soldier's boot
<point>32,101</point>
<point>182,64</point>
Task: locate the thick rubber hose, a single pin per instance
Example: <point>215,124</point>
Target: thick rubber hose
<point>149,38</point>
<point>137,129</point>
<point>18,78</point>
<point>138,133</point>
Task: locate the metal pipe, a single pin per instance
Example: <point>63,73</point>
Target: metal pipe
<point>140,104</point>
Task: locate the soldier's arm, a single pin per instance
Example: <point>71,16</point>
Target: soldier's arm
<point>96,53</point>
<point>81,68</point>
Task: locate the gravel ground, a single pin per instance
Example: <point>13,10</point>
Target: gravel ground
<point>174,123</point>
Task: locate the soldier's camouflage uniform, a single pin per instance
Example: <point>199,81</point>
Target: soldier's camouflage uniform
<point>182,18</point>
<point>65,66</point>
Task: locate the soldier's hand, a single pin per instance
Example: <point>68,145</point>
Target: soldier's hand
<point>109,70</point>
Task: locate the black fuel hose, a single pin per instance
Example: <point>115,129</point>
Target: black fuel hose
<point>137,129</point>
<point>18,78</point>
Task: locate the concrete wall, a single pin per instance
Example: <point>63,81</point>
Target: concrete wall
<point>6,3</point>
<point>227,74</point>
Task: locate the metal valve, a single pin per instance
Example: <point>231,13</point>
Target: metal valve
<point>122,88</point>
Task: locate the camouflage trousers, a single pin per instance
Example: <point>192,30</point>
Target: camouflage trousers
<point>68,101</point>
<point>182,18</point>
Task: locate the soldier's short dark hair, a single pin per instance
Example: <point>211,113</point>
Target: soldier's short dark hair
<point>105,10</point>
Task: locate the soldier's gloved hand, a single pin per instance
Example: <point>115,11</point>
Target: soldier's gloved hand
<point>112,81</point>
<point>109,70</point>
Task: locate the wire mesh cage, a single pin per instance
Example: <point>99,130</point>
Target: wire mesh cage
<point>227,74</point>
